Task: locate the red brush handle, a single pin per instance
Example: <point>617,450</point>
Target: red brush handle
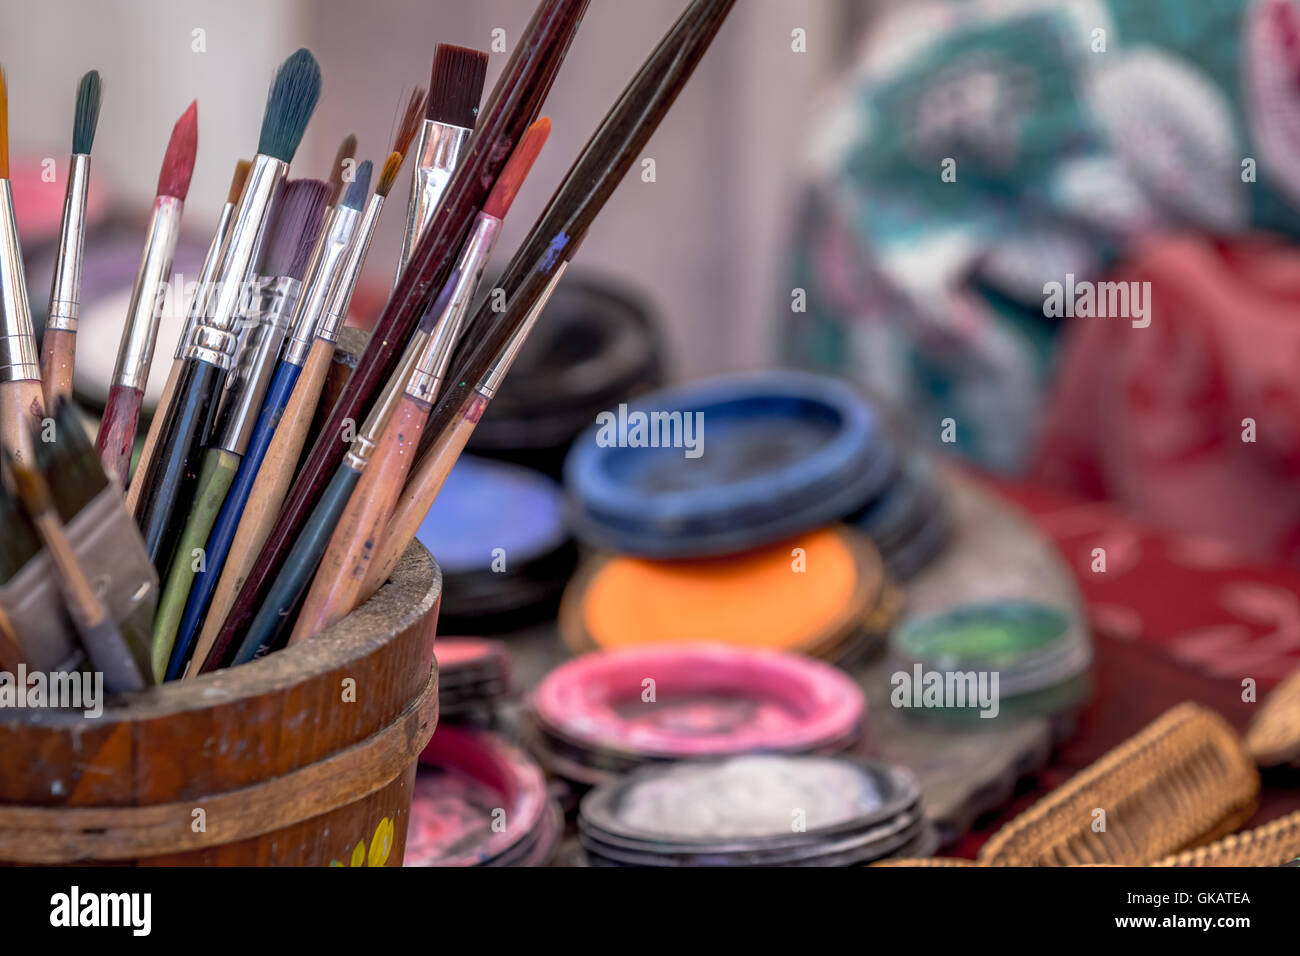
<point>117,430</point>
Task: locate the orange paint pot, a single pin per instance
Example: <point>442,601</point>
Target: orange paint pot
<point>820,593</point>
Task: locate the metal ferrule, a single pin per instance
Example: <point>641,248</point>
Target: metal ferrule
<point>491,380</point>
<point>256,363</point>
<point>206,274</point>
<point>141,328</point>
<point>214,340</point>
<point>341,295</point>
<point>18,359</point>
<point>65,290</point>
<point>363,446</point>
<point>431,367</point>
<point>323,270</point>
<point>438,151</point>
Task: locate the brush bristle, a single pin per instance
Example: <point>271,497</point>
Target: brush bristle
<point>31,488</point>
<point>237,182</point>
<point>4,125</point>
<point>289,106</point>
<point>347,150</point>
<point>70,464</point>
<point>302,207</point>
<point>21,541</point>
<point>178,163</point>
<point>86,120</point>
<point>410,122</point>
<point>516,170</point>
<point>388,175</point>
<point>456,85</point>
<point>360,186</point>
<point>439,304</point>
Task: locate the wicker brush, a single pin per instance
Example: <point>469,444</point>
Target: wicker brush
<point>1184,781</point>
<point>1274,735</point>
<point>1270,845</point>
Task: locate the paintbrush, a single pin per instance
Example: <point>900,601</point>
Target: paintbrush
<point>344,566</point>
<point>514,105</point>
<point>103,642</point>
<point>287,415</point>
<point>21,403</point>
<point>135,353</point>
<point>455,89</point>
<point>59,344</point>
<point>197,303</point>
<point>168,488</point>
<point>342,162</point>
<point>293,239</point>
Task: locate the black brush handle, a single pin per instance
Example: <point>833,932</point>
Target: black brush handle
<point>169,485</point>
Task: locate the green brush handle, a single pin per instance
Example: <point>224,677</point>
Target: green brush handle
<point>215,478</point>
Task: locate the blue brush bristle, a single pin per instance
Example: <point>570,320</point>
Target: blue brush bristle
<point>359,187</point>
<point>86,119</point>
<point>289,106</point>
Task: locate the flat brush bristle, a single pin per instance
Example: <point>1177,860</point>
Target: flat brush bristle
<point>347,150</point>
<point>4,125</point>
<point>237,182</point>
<point>410,122</point>
<point>388,175</point>
<point>70,464</point>
<point>86,119</point>
<point>360,186</point>
<point>296,224</point>
<point>456,85</point>
<point>178,162</point>
<point>520,162</point>
<point>289,106</point>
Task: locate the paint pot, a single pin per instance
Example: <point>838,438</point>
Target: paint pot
<point>473,679</point>
<point>480,801</point>
<point>498,530</point>
<point>599,346</point>
<point>758,810</point>
<point>824,593</point>
<point>727,465</point>
<point>1040,657</point>
<point>609,713</point>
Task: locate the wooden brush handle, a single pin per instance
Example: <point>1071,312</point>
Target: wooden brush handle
<point>266,497</point>
<point>151,437</point>
<point>117,431</point>
<point>337,587</point>
<point>21,412</point>
<point>58,358</point>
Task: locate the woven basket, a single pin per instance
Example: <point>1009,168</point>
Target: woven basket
<point>1185,780</point>
<point>1274,735</point>
<point>1270,845</point>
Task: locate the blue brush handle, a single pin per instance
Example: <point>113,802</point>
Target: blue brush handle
<point>223,532</point>
<point>299,567</point>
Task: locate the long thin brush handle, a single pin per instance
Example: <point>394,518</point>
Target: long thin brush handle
<point>418,494</point>
<point>117,430</point>
<point>337,587</point>
<point>294,577</point>
<point>58,359</point>
<point>151,436</point>
<point>228,520</point>
<point>265,498</point>
<point>515,104</point>
<point>168,487</point>
<point>21,413</point>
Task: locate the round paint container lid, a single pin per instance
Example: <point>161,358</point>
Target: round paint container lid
<point>708,700</point>
<point>752,459</point>
<point>809,594</point>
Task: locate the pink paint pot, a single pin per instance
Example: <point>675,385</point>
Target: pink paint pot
<point>478,801</point>
<point>684,701</point>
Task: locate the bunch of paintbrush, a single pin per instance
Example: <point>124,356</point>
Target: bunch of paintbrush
<point>59,344</point>
<point>514,106</point>
<point>135,354</point>
<point>72,534</point>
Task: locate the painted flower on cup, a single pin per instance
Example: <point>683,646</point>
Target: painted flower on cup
<point>381,845</point>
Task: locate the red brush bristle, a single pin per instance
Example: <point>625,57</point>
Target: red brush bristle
<point>516,170</point>
<point>178,164</point>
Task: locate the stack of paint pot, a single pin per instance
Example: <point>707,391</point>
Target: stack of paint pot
<point>480,801</point>
<point>1028,658</point>
<point>473,679</point>
<point>759,810</point>
<point>605,714</point>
